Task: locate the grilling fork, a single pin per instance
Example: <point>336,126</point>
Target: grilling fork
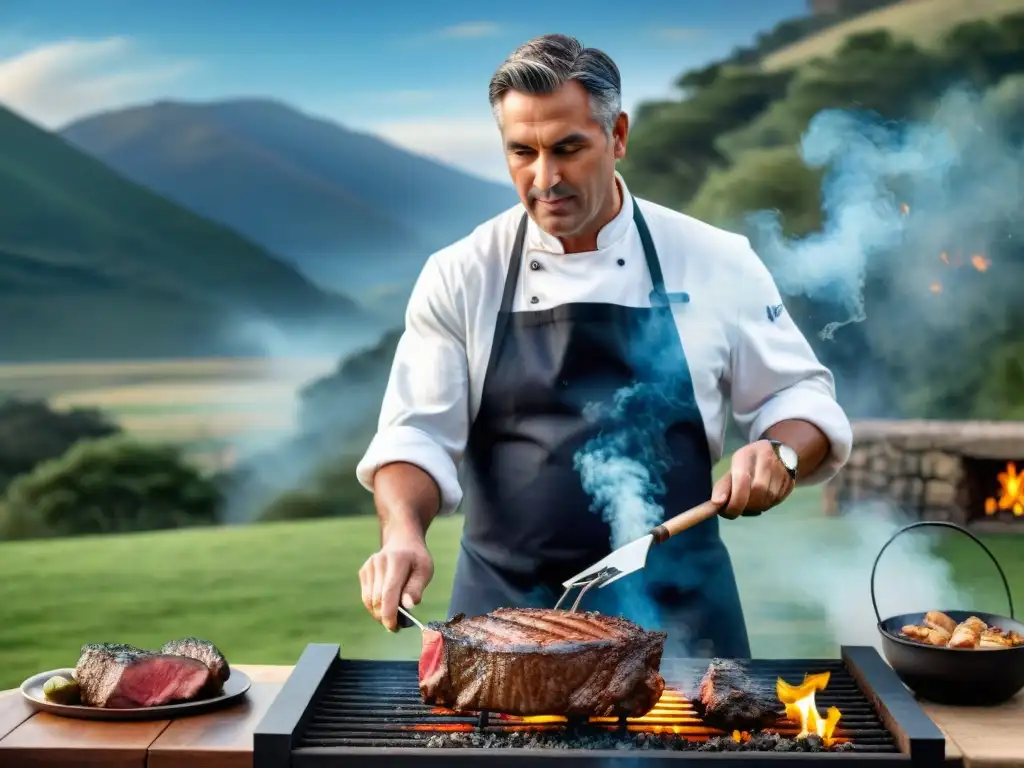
<point>633,556</point>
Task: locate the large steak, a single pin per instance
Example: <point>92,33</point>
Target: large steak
<point>539,661</point>
<point>122,676</point>
<point>729,700</point>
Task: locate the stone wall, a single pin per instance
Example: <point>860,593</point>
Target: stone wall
<point>925,467</point>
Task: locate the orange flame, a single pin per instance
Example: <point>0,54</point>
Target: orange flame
<point>740,736</point>
<point>1011,493</point>
<point>800,707</point>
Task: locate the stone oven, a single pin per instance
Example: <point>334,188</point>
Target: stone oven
<point>965,472</point>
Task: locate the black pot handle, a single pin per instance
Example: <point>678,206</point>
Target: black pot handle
<point>938,524</point>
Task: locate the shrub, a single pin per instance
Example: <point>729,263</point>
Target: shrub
<point>108,485</point>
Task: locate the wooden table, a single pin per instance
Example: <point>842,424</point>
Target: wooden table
<point>976,738</point>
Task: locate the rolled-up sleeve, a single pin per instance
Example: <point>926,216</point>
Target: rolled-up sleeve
<point>424,417</point>
<point>775,374</point>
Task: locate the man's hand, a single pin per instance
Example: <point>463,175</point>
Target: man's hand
<point>757,481</point>
<point>401,570</point>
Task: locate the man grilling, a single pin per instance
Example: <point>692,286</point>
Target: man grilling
<point>518,339</point>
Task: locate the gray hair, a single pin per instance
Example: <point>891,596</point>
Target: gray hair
<point>544,64</point>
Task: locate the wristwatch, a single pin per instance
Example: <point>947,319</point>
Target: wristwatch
<point>787,456</point>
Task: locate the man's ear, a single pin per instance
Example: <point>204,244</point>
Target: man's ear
<point>620,134</point>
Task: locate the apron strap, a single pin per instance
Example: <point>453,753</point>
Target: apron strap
<point>658,296</point>
<point>507,297</point>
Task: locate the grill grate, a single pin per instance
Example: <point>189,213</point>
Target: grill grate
<point>334,712</point>
<point>377,704</point>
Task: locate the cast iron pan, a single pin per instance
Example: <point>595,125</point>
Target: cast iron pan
<point>969,677</point>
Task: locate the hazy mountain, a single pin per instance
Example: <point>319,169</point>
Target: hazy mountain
<point>349,209</point>
<point>93,265</point>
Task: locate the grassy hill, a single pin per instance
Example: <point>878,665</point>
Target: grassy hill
<point>347,208</point>
<point>93,265</point>
<point>923,21</point>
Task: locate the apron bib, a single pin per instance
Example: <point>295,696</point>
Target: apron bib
<point>530,523</point>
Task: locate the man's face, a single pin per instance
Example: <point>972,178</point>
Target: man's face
<point>561,160</point>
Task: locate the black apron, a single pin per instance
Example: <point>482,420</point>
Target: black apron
<point>530,523</point>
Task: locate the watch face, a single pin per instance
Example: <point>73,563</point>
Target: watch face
<point>788,456</point>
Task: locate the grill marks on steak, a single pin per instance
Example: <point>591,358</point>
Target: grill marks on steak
<point>121,676</point>
<point>729,700</point>
<point>539,661</point>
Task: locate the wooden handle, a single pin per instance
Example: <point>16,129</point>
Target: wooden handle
<point>685,520</point>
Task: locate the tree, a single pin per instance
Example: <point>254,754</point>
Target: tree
<point>108,485</point>
<point>672,148</point>
<point>31,432</point>
<point>768,179</point>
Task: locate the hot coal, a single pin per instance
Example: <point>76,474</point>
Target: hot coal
<point>594,738</point>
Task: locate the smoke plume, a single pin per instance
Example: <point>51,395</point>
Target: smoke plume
<point>895,198</point>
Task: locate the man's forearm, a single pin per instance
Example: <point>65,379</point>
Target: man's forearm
<point>809,442</point>
<point>407,500</point>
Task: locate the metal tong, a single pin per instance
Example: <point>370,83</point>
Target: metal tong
<point>633,556</point>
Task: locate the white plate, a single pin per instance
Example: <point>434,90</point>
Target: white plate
<point>32,690</point>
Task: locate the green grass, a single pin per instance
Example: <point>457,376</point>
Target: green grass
<point>263,592</point>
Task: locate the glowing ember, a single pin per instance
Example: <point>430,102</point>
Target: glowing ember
<point>800,707</point>
<point>904,209</point>
<point>1011,493</point>
<point>979,262</point>
<point>740,736</point>
<point>945,257</point>
<point>935,287</point>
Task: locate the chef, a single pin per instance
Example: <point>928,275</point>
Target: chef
<point>517,339</point>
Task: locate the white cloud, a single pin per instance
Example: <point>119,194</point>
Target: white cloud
<point>471,144</point>
<point>470,29</point>
<point>55,83</point>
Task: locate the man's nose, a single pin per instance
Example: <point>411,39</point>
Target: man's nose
<point>546,173</point>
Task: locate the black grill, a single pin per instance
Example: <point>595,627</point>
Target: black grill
<point>336,712</point>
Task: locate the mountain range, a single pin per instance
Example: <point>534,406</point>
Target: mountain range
<point>93,265</point>
<point>350,210</point>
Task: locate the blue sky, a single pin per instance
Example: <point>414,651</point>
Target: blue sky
<point>413,72</point>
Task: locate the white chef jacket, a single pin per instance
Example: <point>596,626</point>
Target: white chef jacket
<point>740,342</point>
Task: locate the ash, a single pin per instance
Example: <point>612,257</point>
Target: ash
<point>589,739</point>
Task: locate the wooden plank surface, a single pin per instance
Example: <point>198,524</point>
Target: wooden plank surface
<point>48,741</point>
<point>987,737</point>
<point>220,739</point>
<point>14,710</point>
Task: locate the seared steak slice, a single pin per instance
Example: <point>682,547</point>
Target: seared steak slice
<point>729,700</point>
<point>539,661</point>
<point>206,652</point>
<point>121,676</point>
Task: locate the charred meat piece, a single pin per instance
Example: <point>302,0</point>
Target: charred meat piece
<point>968,633</point>
<point>729,700</point>
<point>206,652</point>
<point>940,621</point>
<point>120,676</point>
<point>539,661</point>
<point>926,635</point>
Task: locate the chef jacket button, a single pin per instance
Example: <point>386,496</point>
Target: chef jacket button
<point>534,265</point>
<point>534,300</point>
<point>622,262</point>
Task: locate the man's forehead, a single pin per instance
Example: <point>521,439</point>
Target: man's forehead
<point>548,117</point>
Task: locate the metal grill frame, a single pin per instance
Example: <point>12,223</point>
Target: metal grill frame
<point>921,743</point>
